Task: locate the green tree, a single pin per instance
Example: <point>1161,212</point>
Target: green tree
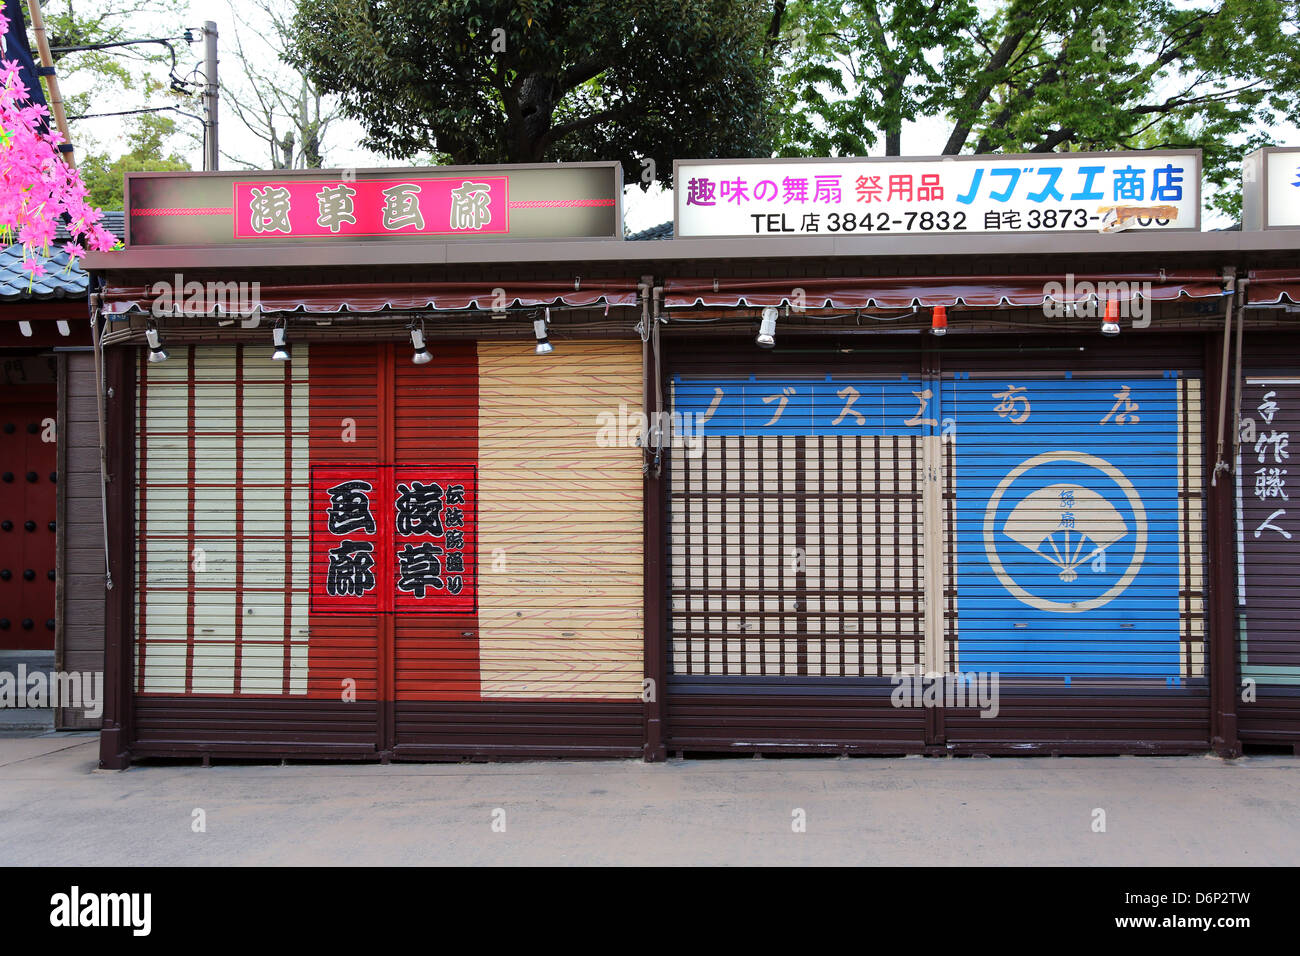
<point>104,175</point>
<point>1043,75</point>
<point>492,81</point>
<point>91,77</point>
<point>859,70</point>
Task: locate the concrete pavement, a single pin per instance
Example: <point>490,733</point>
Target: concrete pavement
<point>26,719</point>
<point>56,808</point>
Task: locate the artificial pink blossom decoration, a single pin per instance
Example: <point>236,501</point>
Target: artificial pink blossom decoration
<point>37,188</point>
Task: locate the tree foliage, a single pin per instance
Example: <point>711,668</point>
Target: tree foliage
<point>1041,75</point>
<point>146,140</point>
<point>491,81</point>
<point>858,71</point>
<point>99,75</point>
<point>124,78</point>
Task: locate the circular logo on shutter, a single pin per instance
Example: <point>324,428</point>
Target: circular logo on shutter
<point>1065,532</point>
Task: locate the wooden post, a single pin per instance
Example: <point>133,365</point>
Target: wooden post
<point>118,726</point>
<point>654,589</point>
<point>1221,549</point>
<point>51,80</point>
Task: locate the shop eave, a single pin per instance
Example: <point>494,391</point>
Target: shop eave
<point>377,254</point>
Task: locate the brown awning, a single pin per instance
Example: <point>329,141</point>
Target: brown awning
<point>488,296</point>
<point>44,323</point>
<point>901,292</point>
<point>1273,287</point>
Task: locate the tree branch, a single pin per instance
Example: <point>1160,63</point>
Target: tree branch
<point>774,25</point>
<point>1053,140</point>
<point>973,104</point>
<point>561,130</point>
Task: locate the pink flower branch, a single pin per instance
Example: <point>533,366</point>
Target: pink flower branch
<point>37,188</point>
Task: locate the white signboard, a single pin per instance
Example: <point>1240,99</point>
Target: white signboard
<point>1035,193</point>
<point>1271,189</point>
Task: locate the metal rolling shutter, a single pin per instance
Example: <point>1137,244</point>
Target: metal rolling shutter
<point>346,428</point>
<point>798,557</point>
<point>561,599</point>
<point>797,554</point>
<point>216,511</point>
<point>560,639</point>
<point>435,410</point>
<point>1044,525</point>
<point>223,647</point>
<point>1076,530</point>
<point>241,647</point>
<point>1267,534</point>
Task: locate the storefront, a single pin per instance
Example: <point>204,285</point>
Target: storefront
<point>51,514</point>
<point>1265,391</point>
<point>1033,512</point>
<point>854,536</point>
<point>1268,392</point>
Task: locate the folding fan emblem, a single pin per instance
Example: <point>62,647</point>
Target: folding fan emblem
<point>1066,525</point>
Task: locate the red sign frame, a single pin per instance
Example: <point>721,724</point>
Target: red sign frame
<point>366,207</point>
<point>383,539</point>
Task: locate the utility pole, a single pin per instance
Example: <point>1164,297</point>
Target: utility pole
<point>210,98</point>
<point>52,81</point>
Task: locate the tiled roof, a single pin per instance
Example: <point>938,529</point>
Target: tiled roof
<point>59,282</point>
<point>662,231</point>
<point>113,221</point>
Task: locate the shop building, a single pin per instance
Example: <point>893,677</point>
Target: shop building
<point>602,520</point>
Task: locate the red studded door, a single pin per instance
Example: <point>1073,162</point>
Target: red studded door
<point>27,509</point>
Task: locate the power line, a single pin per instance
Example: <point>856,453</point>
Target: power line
<point>150,109</point>
<point>177,84</point>
<point>167,41</point>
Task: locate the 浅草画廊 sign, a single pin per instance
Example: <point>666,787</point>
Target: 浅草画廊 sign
<point>552,201</point>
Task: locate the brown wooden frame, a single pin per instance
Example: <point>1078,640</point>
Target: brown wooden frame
<point>119,401</point>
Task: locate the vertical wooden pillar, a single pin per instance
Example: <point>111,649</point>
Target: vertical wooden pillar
<point>932,485</point>
<point>654,587</point>
<point>1221,551</point>
<point>60,520</point>
<point>119,408</point>
<point>387,637</point>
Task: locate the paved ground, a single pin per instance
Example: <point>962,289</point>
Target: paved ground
<point>56,808</point>
<point>24,718</point>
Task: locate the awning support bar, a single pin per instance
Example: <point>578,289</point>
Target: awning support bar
<point>97,340</point>
<point>1220,465</point>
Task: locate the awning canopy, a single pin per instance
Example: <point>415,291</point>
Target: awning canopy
<point>902,292</point>
<point>44,324</point>
<point>215,298</point>
<point>1273,287</point>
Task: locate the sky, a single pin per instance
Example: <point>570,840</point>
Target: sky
<point>641,209</point>
<point>233,137</point>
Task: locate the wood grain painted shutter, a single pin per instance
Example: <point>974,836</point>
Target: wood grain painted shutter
<point>560,605</point>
